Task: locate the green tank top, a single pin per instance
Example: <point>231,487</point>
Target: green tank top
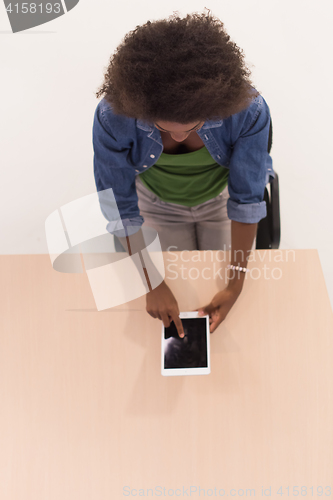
<point>186,179</point>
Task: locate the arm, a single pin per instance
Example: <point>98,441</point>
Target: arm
<point>160,301</point>
<point>135,243</point>
<point>113,169</point>
<point>242,237</point>
<point>249,166</point>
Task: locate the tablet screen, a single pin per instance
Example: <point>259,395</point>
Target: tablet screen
<point>189,351</point>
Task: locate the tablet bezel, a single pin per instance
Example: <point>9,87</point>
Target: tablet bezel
<point>167,372</point>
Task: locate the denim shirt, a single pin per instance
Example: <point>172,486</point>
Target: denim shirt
<point>125,147</point>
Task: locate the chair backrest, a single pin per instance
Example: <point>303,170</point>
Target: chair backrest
<point>269,228</point>
<point>270,136</point>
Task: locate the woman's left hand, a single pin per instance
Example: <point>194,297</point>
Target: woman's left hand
<point>219,307</point>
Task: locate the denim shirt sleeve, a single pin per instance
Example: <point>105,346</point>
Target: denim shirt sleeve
<point>250,164</point>
<point>112,169</point>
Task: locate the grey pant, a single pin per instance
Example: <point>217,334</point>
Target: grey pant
<point>202,227</point>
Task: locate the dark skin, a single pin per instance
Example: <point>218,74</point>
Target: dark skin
<point>160,302</point>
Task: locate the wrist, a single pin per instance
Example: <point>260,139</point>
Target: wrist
<point>235,290</point>
<point>158,288</point>
<point>235,285</point>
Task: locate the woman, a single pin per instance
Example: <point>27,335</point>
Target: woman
<point>181,136</point>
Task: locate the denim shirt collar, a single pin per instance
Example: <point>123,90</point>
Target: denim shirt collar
<point>149,127</point>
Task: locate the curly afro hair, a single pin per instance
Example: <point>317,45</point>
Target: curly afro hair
<point>178,70</point>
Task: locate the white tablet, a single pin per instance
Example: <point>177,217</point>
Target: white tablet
<point>189,355</point>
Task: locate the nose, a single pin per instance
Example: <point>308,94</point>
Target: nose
<point>179,137</point>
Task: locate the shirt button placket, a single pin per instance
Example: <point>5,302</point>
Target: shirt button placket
<point>207,139</point>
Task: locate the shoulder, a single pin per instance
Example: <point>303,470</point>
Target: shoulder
<point>117,124</point>
<point>253,118</point>
<point>258,108</point>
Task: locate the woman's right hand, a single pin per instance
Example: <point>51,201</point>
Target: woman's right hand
<point>161,304</point>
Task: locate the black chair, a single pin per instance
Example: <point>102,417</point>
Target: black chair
<point>268,232</point>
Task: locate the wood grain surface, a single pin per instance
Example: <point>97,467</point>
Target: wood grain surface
<point>85,413</point>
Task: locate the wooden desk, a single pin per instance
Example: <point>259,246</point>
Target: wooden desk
<point>86,414</point>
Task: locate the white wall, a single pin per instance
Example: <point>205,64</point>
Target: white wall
<point>49,75</point>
